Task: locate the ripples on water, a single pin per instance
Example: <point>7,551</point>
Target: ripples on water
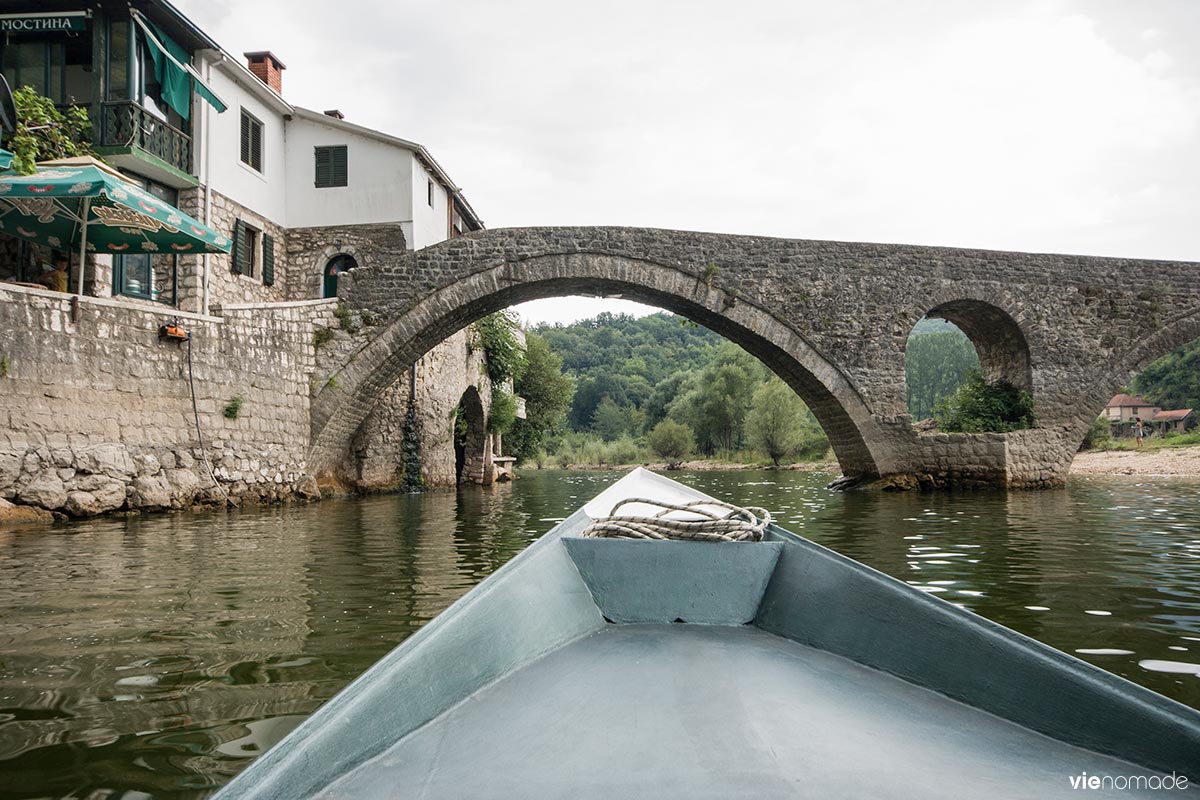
<point>156,655</point>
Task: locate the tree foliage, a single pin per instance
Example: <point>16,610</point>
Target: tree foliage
<point>978,406</point>
<point>672,441</point>
<point>775,423</point>
<point>547,394</point>
<point>633,373</point>
<point>610,420</point>
<point>938,358</point>
<point>1172,381</point>
<point>44,133</point>
<point>717,400</point>
<point>504,410</point>
<point>497,335</point>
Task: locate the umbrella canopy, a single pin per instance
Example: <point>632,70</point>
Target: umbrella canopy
<point>86,206</point>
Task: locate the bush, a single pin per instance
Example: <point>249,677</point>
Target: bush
<point>234,407</point>
<point>504,411</point>
<point>44,133</point>
<point>813,446</point>
<point>1098,436</point>
<point>622,451</point>
<point>672,441</point>
<point>978,407</point>
<point>497,335</point>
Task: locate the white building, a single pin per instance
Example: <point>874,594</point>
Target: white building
<point>302,193</point>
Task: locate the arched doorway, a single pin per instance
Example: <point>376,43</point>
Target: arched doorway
<point>470,439</point>
<point>336,265</point>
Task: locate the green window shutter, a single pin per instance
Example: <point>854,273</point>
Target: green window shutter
<point>238,257</point>
<point>323,164</point>
<point>340,174</point>
<point>331,166</point>
<point>268,269</point>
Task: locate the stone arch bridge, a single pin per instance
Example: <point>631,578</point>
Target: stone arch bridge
<point>830,318</point>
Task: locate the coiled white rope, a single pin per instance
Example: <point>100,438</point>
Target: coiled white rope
<point>738,525</point>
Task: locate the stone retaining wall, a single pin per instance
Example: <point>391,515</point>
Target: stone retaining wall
<point>96,411</point>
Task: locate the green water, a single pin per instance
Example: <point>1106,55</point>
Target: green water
<point>155,656</point>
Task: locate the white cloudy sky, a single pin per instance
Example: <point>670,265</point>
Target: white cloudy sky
<point>1047,125</point>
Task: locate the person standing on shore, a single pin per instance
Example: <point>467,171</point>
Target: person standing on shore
<point>1138,431</point>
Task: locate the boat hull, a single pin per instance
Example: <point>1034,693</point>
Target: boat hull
<point>845,683</point>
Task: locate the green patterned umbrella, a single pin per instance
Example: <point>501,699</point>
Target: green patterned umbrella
<point>85,206</point>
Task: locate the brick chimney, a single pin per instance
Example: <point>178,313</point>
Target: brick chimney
<point>267,68</point>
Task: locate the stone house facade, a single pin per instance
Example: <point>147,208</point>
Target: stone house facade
<point>304,195</point>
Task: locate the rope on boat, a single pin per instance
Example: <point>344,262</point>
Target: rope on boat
<point>738,525</point>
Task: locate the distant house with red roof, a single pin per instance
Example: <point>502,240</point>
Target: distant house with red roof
<point>1123,408</point>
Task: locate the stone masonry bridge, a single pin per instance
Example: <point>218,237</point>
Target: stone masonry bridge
<point>830,318</point>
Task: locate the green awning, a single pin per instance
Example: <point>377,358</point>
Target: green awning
<point>174,72</point>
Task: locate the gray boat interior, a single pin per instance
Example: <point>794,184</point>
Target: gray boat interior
<point>589,667</point>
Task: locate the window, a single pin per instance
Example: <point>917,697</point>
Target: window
<point>252,146</point>
<point>253,253</point>
<point>245,249</point>
<point>146,276</point>
<point>429,193</point>
<point>57,65</point>
<point>331,166</point>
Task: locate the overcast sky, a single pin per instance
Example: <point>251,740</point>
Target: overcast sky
<point>1053,125</point>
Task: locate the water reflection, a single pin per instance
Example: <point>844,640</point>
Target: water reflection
<point>158,654</point>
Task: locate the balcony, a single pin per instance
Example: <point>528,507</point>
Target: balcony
<point>132,137</point>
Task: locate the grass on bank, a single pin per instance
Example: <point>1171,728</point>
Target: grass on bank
<point>1100,438</point>
<point>1156,442</point>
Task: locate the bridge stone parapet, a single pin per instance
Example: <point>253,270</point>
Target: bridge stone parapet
<point>831,318</point>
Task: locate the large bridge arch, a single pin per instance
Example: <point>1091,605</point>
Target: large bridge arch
<point>348,396</point>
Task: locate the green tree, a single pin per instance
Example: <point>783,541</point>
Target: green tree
<point>936,363</point>
<point>497,335</point>
<point>547,392</point>
<point>44,133</point>
<point>979,406</point>
<point>503,412</point>
<point>610,420</point>
<point>1173,381</point>
<point>672,441</point>
<point>716,403</point>
<point>776,421</point>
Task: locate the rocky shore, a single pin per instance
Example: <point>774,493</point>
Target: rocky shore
<point>40,482</point>
<point>1175,462</point>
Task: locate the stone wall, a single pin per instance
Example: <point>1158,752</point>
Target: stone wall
<point>224,286</point>
<point>96,413</point>
<point>310,249</point>
<point>442,376</point>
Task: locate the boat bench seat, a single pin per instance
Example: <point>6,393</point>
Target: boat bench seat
<point>707,583</point>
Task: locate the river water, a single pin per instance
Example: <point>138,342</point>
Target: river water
<point>156,656</point>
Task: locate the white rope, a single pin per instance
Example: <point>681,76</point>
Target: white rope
<point>738,525</point>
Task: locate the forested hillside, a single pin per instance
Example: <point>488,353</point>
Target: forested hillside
<point>660,386</point>
<point>1172,381</point>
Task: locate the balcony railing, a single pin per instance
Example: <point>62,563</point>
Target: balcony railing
<point>127,124</point>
